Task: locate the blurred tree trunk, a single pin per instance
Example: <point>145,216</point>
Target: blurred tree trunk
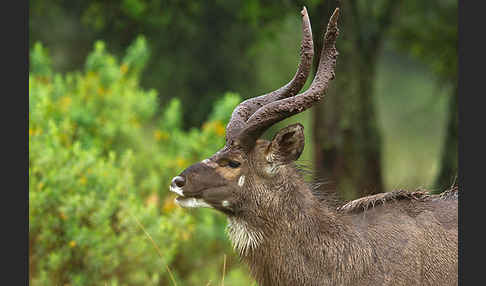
<point>429,33</point>
<point>347,143</point>
<point>448,172</point>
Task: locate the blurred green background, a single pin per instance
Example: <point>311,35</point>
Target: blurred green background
<point>123,95</point>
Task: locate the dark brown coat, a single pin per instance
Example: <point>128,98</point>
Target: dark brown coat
<point>289,236</point>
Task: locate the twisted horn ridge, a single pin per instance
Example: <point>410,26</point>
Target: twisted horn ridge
<point>278,110</point>
<point>245,109</point>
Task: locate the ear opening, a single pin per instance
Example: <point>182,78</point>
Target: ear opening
<point>287,145</point>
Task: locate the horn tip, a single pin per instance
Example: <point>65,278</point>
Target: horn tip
<point>304,11</point>
<point>335,15</point>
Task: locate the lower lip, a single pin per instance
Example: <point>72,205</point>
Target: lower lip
<point>179,199</point>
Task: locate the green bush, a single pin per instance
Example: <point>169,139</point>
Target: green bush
<point>101,156</point>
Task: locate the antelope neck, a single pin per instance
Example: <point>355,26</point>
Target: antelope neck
<point>282,208</point>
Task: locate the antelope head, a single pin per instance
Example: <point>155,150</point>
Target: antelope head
<point>237,178</point>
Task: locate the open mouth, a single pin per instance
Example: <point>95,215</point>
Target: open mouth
<point>191,202</point>
<point>188,202</point>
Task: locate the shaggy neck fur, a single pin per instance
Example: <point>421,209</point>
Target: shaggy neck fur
<point>243,237</point>
<point>291,238</point>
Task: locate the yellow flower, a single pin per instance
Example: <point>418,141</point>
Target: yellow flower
<point>214,126</point>
<point>124,68</point>
<point>72,243</point>
<point>33,132</point>
<point>101,91</point>
<point>157,135</point>
<point>186,235</point>
<point>66,102</point>
<point>219,128</point>
<point>181,162</point>
<point>160,135</point>
<point>169,204</point>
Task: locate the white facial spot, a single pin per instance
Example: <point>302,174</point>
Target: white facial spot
<point>225,204</point>
<point>241,181</point>
<point>209,163</point>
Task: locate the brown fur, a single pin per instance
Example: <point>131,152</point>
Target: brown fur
<point>298,238</point>
<point>409,240</point>
<point>286,233</point>
<point>362,204</point>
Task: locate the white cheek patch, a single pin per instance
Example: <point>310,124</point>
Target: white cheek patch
<point>241,181</point>
<point>206,161</point>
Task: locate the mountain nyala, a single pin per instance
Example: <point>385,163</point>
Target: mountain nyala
<point>288,235</point>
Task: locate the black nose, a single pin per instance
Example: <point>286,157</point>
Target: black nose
<point>178,181</point>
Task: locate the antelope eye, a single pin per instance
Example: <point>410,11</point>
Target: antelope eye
<point>234,164</point>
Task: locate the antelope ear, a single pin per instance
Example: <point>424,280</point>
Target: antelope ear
<point>287,144</point>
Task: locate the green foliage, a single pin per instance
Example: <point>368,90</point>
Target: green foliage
<point>200,49</point>
<point>40,62</point>
<point>100,161</point>
<point>429,33</point>
<point>137,55</point>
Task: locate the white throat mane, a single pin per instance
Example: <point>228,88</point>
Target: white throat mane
<point>243,237</point>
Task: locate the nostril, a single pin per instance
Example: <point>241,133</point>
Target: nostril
<point>179,181</point>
